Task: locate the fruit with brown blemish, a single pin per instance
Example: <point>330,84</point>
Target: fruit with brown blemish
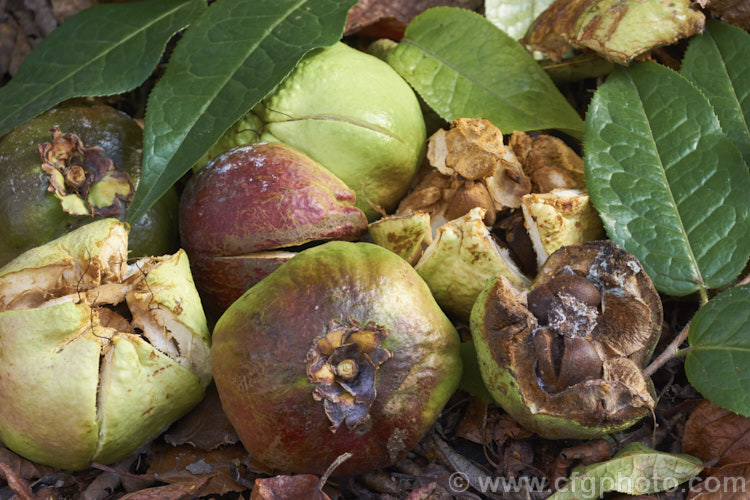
<point>341,349</point>
<point>565,358</point>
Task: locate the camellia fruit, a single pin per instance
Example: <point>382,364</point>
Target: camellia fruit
<point>565,357</point>
<point>58,179</point>
<point>247,212</point>
<point>351,112</point>
<point>341,349</point>
<point>96,356</point>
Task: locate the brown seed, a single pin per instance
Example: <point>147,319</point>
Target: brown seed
<point>548,348</point>
<point>575,286</point>
<point>539,301</point>
<point>579,362</point>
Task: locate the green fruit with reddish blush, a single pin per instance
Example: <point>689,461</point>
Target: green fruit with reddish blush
<point>341,349</point>
<point>247,212</point>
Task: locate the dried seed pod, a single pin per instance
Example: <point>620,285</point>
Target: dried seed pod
<point>559,218</point>
<point>96,356</point>
<point>541,298</point>
<point>461,259</point>
<point>512,234</point>
<point>565,358</point>
<point>471,195</point>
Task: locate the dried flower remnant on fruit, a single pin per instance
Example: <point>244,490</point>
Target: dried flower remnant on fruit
<point>82,178</point>
<point>548,162</point>
<point>343,365</point>
<point>569,352</point>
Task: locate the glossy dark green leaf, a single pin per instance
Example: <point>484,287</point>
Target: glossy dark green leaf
<point>668,184</point>
<point>718,364</point>
<point>464,66</point>
<point>634,470</point>
<point>718,63</point>
<point>104,50</point>
<point>229,59</point>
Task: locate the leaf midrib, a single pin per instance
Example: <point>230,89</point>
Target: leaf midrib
<point>223,85</point>
<point>698,347</point>
<point>663,172</point>
<point>730,81</point>
<point>102,54</point>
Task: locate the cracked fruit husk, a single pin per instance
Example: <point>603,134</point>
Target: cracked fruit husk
<point>565,358</point>
<point>89,170</point>
<point>247,212</point>
<point>352,113</point>
<point>341,349</point>
<point>97,356</point>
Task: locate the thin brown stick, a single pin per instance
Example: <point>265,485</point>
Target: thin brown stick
<point>106,468</point>
<point>340,460</point>
<point>668,352</point>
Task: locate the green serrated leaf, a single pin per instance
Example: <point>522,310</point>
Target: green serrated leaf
<point>669,186</point>
<point>514,16</point>
<point>103,50</point>
<point>635,470</point>
<point>229,59</point>
<point>718,63</point>
<point>718,364</point>
<point>464,66</point>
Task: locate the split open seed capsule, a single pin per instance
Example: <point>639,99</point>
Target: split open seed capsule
<point>565,358</point>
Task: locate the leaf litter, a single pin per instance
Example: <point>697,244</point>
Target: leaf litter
<point>200,457</point>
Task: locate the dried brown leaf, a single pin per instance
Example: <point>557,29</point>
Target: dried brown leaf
<point>381,482</point>
<point>187,490</point>
<point>506,428</point>
<point>16,483</point>
<point>395,13</point>
<point>21,467</point>
<point>717,436</point>
<point>185,464</point>
<point>21,48</point>
<point>518,458</point>
<point>206,427</point>
<point>735,12</point>
<point>473,424</point>
<point>586,453</point>
<point>731,482</point>
<point>284,487</point>
<point>431,491</point>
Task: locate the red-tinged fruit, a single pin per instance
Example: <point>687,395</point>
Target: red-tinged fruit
<point>243,211</point>
<point>341,349</point>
